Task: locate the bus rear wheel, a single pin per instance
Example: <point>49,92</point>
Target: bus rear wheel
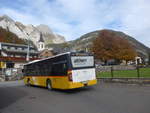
<point>28,82</point>
<point>49,85</point>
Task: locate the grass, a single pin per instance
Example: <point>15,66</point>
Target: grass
<point>144,72</point>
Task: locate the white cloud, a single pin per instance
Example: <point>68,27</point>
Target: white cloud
<point>73,18</point>
<point>135,19</point>
<point>19,16</point>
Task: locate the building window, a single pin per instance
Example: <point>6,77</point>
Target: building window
<point>18,56</point>
<point>5,47</point>
<point>8,47</point>
<point>20,48</point>
<point>12,48</point>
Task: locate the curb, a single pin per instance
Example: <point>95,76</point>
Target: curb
<point>126,80</point>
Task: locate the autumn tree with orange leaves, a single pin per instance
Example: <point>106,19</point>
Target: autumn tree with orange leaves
<point>109,46</point>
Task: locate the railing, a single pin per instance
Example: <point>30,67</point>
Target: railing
<point>15,58</point>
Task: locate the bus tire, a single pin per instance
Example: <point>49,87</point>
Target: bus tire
<point>28,82</point>
<point>49,85</point>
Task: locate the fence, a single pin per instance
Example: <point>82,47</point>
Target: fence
<point>11,74</point>
<point>102,72</point>
<point>123,72</point>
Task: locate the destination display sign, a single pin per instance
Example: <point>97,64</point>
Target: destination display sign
<point>82,61</point>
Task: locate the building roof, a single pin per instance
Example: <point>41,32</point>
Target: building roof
<point>46,53</point>
<point>41,38</point>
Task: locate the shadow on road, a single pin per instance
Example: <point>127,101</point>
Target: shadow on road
<point>69,91</point>
<point>9,95</point>
<point>74,91</point>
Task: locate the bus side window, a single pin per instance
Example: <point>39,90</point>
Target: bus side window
<point>47,69</point>
<point>59,69</point>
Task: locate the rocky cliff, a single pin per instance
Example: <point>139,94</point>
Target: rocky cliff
<point>30,32</point>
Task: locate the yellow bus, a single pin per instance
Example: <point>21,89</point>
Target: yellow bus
<point>64,71</point>
<point>2,64</point>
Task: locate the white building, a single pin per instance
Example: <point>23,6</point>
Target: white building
<point>14,55</point>
<point>41,44</point>
<point>138,60</point>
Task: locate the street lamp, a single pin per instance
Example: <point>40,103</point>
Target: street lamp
<point>28,50</point>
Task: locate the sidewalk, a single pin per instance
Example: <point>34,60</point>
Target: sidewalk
<point>11,83</point>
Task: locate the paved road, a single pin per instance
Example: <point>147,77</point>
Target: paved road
<point>102,98</point>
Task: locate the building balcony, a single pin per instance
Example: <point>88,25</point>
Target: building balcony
<point>16,59</point>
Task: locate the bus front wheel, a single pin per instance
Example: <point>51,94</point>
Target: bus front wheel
<point>49,85</point>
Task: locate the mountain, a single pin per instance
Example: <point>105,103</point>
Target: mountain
<point>30,32</point>
<point>49,36</point>
<point>9,37</point>
<point>85,42</point>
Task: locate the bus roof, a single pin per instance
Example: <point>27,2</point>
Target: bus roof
<point>34,61</point>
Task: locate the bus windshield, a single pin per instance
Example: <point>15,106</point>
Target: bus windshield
<point>82,61</point>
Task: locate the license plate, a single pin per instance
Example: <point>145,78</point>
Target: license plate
<point>84,82</point>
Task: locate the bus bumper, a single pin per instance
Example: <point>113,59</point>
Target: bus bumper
<point>73,85</point>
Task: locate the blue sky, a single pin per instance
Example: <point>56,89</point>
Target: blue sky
<point>73,18</point>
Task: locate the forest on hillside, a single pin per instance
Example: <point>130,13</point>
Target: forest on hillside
<point>9,37</point>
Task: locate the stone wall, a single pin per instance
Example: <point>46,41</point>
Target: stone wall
<point>115,67</point>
